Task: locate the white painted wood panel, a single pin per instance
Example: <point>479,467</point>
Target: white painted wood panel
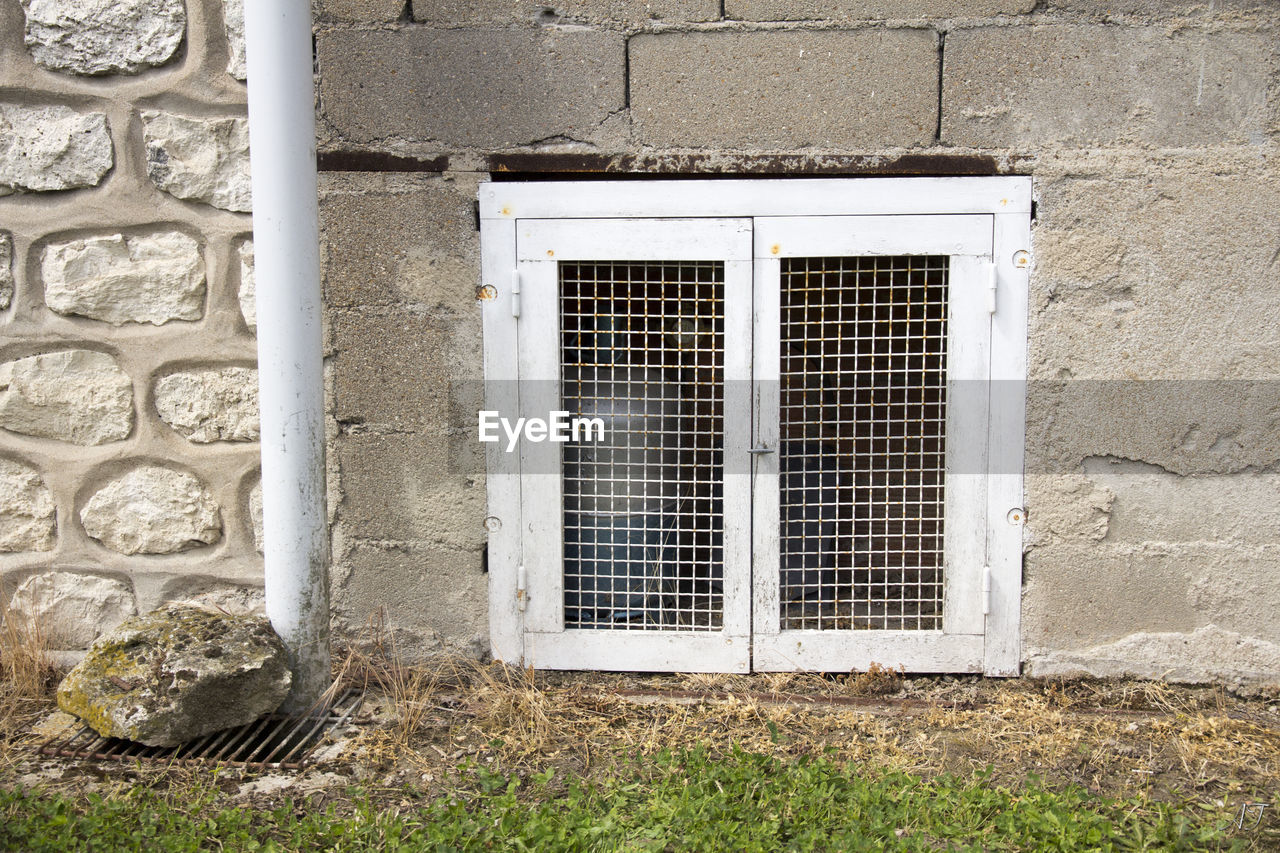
<point>634,239</point>
<point>1007,430</point>
<point>846,651</point>
<point>501,370</point>
<point>766,197</point>
<point>629,651</point>
<point>819,236</point>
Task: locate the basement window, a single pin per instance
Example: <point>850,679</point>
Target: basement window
<point>781,448</point>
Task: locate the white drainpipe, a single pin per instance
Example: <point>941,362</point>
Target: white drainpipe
<point>290,367</point>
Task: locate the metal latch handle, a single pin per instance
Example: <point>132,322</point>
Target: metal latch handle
<point>758,450</point>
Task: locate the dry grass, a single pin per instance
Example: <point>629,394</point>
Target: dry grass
<point>1114,738</point>
<point>27,683</point>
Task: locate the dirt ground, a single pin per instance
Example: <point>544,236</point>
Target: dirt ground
<point>1180,744</point>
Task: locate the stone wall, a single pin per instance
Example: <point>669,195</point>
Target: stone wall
<point>128,389</point>
<point>1150,128</point>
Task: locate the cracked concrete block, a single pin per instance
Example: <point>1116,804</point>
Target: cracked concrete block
<point>1152,328</point>
<point>77,396</point>
<point>214,404</point>
<point>869,10</point>
<point>70,609</point>
<point>200,159</point>
<point>565,12</point>
<point>1209,654</point>
<point>6,269</point>
<point>790,89</point>
<point>411,246</point>
<point>430,597</point>
<point>48,148</point>
<point>404,487</point>
<point>95,37</point>
<point>233,22</point>
<point>481,88</point>
<point>28,516</point>
<point>1185,426</point>
<point>152,510</point>
<point>1151,504</point>
<point>140,278</point>
<point>1085,85</point>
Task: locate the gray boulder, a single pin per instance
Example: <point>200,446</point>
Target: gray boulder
<point>177,674</point>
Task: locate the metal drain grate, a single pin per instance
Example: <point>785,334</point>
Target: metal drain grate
<point>276,741</point>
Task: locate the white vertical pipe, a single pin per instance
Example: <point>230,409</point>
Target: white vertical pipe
<point>290,368</point>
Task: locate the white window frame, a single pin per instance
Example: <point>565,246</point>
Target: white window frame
<point>774,206</point>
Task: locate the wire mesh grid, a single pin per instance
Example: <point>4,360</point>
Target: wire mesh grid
<point>642,351</point>
<point>863,425</point>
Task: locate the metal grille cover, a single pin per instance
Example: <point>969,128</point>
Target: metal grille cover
<point>863,424</point>
<point>642,349</point>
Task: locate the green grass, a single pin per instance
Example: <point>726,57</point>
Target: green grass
<point>684,801</point>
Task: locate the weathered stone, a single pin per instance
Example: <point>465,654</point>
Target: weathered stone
<point>1206,655</point>
<point>200,159</point>
<point>152,510</point>
<point>27,512</point>
<point>255,515</point>
<point>233,20</point>
<point>71,610</point>
<point>6,269</point>
<point>248,287</point>
<point>52,148</point>
<point>236,600</point>
<point>104,36</point>
<point>145,278</point>
<point>561,12</point>
<point>1161,9</point>
<point>869,10</point>
<point>78,396</point>
<point>832,89</point>
<point>217,404</point>
<point>177,674</point>
<point>1151,504</point>
<point>490,88</point>
<point>1076,85</point>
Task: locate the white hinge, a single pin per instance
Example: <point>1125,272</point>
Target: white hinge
<point>993,279</point>
<point>515,293</point>
<point>986,590</point>
<point>522,594</point>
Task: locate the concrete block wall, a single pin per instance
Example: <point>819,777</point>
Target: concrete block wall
<point>1149,127</point>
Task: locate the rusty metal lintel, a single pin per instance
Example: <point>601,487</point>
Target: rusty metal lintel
<point>527,165</point>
